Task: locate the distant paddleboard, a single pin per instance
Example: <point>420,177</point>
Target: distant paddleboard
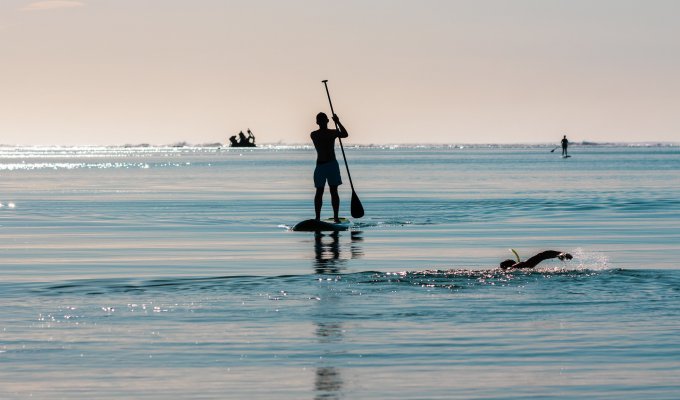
<point>325,225</point>
<point>566,156</point>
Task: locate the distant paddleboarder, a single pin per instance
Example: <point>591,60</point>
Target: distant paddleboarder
<point>535,260</point>
<point>565,144</point>
<point>327,168</point>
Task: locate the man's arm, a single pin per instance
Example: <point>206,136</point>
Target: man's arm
<point>342,132</point>
<point>545,255</point>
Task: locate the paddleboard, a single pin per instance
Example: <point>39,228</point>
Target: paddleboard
<point>566,156</point>
<point>325,225</point>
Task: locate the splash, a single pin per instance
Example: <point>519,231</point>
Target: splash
<point>582,261</point>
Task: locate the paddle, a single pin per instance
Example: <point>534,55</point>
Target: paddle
<point>553,150</point>
<point>356,208</point>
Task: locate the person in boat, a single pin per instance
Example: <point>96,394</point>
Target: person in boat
<point>251,138</point>
<point>565,144</point>
<point>242,138</point>
<point>535,260</point>
<point>327,169</point>
<point>233,141</point>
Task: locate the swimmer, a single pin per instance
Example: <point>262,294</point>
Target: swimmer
<point>535,260</point>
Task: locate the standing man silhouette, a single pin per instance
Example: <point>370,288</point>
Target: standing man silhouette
<point>565,144</point>
<point>327,168</point>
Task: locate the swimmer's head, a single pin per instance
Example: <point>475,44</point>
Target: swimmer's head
<point>322,118</point>
<point>508,264</point>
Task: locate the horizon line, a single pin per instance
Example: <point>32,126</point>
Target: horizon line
<point>181,144</point>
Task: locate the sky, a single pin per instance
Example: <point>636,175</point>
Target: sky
<point>107,72</point>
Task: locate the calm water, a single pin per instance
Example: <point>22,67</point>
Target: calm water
<point>169,273</point>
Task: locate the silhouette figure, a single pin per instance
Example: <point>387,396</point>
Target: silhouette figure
<point>327,168</point>
<point>243,140</point>
<point>565,144</point>
<point>535,260</point>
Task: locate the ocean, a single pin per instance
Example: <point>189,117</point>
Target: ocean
<point>171,272</point>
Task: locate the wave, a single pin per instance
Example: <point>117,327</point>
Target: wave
<point>367,281</point>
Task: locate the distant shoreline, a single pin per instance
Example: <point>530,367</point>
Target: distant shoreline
<point>373,145</point>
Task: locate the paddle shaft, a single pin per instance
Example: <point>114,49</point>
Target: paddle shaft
<point>325,83</point>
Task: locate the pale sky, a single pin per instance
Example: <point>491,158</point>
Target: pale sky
<point>425,71</point>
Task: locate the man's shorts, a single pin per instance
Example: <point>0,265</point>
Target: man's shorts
<point>330,172</point>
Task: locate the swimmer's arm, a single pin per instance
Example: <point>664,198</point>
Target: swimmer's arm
<point>546,255</point>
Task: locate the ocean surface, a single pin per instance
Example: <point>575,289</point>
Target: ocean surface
<point>170,272</point>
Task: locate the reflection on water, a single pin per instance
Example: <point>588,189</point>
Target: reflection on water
<point>328,256</point>
<point>329,332</point>
<point>328,379</point>
<point>355,248</point>
<point>328,383</point>
<point>327,253</point>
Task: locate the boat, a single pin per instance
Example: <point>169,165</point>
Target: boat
<point>241,140</point>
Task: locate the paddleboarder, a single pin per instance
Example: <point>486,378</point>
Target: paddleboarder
<point>535,260</point>
<point>565,144</point>
<point>327,169</point>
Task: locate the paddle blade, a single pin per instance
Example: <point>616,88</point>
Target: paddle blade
<point>357,209</point>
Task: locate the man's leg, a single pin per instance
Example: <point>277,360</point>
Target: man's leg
<point>335,201</point>
<point>318,202</point>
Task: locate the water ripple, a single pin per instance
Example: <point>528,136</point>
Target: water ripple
<point>575,280</point>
